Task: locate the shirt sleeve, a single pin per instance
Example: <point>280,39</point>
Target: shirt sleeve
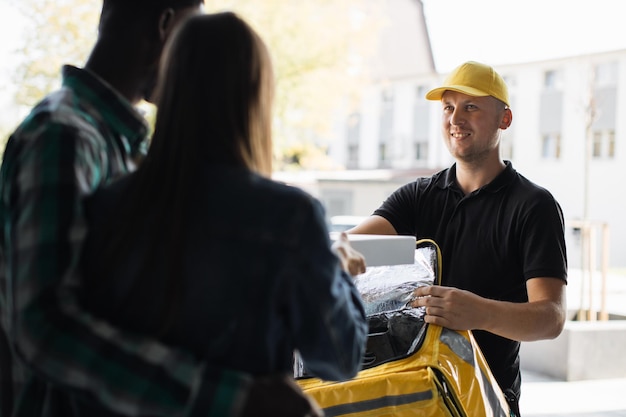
<point>400,209</point>
<point>42,185</point>
<point>328,317</point>
<point>543,247</point>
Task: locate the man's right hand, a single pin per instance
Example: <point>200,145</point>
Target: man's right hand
<point>279,396</point>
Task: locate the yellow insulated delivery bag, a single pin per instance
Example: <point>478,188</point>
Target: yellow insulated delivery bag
<point>410,368</point>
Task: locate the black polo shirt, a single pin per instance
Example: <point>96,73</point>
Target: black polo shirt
<point>492,240</point>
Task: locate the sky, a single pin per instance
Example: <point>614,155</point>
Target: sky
<point>10,25</point>
<point>516,31</point>
<point>9,36</point>
<point>491,31</point>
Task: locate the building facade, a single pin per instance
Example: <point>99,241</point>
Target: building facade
<point>568,133</point>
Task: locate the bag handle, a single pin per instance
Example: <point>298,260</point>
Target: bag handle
<point>438,263</point>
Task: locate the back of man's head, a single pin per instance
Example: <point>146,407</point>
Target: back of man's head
<point>118,15</point>
<point>150,5</point>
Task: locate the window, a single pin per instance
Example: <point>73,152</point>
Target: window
<point>421,126</point>
<point>596,145</point>
<point>387,95</point>
<point>552,80</point>
<point>421,151</point>
<point>354,128</point>
<point>603,144</point>
<point>420,92</point>
<point>353,133</point>
<point>551,146</point>
<point>353,154</point>
<point>510,81</point>
<point>382,152</point>
<point>386,117</point>
<point>611,144</point>
<point>337,201</point>
<point>606,74</point>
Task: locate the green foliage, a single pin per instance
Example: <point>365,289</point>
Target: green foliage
<point>63,31</point>
<point>318,48</point>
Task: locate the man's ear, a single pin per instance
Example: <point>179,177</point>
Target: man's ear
<point>507,118</point>
<point>165,23</point>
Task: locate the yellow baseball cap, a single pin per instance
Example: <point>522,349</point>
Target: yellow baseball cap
<point>474,79</point>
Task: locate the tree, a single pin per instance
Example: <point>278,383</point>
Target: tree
<point>60,31</point>
<point>319,48</point>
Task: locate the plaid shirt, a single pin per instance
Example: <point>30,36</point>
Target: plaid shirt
<point>64,359</point>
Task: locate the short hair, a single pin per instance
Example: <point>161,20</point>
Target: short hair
<point>148,5</point>
<point>116,13</point>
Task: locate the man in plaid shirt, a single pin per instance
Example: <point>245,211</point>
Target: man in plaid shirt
<point>56,359</point>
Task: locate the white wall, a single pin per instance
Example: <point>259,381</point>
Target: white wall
<point>564,177</point>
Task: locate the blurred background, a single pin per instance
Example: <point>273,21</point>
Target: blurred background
<point>351,121</point>
<point>351,125</point>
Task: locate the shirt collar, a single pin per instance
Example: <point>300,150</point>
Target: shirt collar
<point>116,111</point>
<point>447,179</point>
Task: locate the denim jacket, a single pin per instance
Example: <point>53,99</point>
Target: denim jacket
<point>259,279</point>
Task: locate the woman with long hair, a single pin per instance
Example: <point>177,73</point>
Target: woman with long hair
<point>199,246</point>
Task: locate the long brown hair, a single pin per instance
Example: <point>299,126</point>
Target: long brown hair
<point>214,100</point>
<point>214,97</point>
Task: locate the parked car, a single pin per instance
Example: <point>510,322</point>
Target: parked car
<point>343,223</point>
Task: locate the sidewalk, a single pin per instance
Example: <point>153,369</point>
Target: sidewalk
<point>546,397</point>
